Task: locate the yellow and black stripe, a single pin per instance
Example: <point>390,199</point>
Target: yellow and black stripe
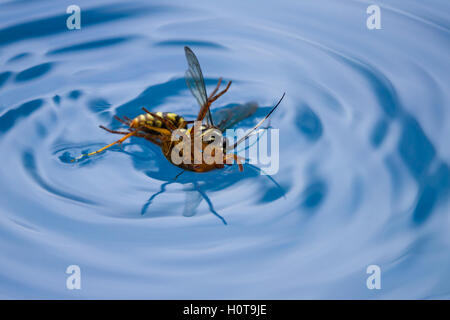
<point>147,120</point>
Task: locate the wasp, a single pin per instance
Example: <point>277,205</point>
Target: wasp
<point>160,127</point>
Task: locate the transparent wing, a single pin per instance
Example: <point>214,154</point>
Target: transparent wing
<point>226,118</point>
<point>194,79</point>
<point>196,87</point>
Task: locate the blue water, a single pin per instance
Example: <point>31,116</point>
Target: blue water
<point>364,154</point>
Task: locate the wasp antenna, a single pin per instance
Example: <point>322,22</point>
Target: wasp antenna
<point>257,126</point>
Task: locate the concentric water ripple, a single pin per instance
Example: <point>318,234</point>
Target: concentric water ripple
<point>364,161</point>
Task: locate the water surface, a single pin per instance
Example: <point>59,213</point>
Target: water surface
<point>364,156</point>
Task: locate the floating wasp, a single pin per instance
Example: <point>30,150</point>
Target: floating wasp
<point>158,127</point>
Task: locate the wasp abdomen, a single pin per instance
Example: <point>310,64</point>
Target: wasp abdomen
<point>147,120</point>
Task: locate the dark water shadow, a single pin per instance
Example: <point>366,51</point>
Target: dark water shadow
<point>4,76</point>
<point>308,123</point>
<point>191,43</point>
<point>34,72</point>
<point>74,94</point>
<point>98,105</point>
<point>314,194</point>
<point>379,132</point>
<point>9,118</point>
<point>90,45</point>
<point>57,23</point>
<point>19,57</point>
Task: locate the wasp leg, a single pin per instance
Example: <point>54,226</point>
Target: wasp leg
<point>205,108</point>
<point>162,131</point>
<point>130,134</point>
<point>216,89</point>
<point>180,126</point>
<point>203,111</point>
<point>151,138</point>
<point>128,120</point>
<point>236,158</point>
<point>114,131</point>
<point>117,132</point>
<point>214,98</point>
<point>122,121</point>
